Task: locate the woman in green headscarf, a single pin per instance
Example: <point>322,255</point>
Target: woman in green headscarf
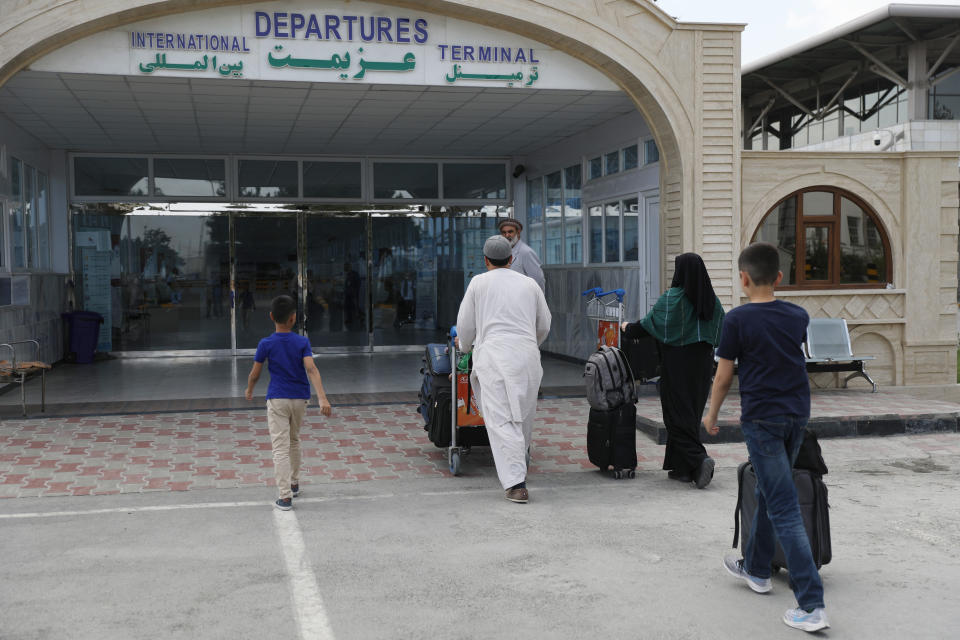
<point>686,322</point>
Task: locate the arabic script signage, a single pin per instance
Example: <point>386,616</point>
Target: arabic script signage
<point>350,42</point>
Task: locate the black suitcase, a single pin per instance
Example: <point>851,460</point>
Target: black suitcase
<point>612,440</point>
<point>436,395</point>
<point>643,356</point>
<point>812,494</point>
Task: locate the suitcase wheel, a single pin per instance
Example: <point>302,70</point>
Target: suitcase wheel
<point>631,473</point>
<point>619,474</point>
<point>455,463</point>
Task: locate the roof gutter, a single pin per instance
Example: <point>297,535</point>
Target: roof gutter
<point>890,11</point>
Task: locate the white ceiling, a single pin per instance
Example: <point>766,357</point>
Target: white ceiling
<point>102,113</point>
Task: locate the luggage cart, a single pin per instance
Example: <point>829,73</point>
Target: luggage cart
<point>608,312</point>
<point>466,422</point>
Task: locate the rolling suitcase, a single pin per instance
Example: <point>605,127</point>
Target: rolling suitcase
<point>812,494</point>
<point>435,394</point>
<point>612,440</point>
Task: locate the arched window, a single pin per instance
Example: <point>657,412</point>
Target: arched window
<point>828,238</point>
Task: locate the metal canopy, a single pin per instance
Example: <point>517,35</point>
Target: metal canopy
<point>810,77</point>
<point>110,114</point>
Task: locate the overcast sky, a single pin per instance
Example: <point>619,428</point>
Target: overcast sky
<point>772,25</point>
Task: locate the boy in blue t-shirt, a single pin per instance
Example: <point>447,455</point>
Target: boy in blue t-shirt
<point>765,337</point>
<point>290,362</point>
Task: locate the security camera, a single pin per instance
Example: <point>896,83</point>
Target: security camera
<point>876,138</point>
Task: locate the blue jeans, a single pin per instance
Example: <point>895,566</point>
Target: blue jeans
<point>773,444</point>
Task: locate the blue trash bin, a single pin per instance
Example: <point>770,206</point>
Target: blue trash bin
<point>84,333</point>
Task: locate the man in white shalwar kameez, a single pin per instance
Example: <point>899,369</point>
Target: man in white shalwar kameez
<point>503,318</point>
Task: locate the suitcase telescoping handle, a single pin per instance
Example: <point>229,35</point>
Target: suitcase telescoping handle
<point>736,513</point>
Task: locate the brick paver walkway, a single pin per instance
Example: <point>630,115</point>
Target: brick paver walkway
<point>201,450</point>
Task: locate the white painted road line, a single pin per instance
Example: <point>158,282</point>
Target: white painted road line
<point>260,503</point>
<point>312,622</point>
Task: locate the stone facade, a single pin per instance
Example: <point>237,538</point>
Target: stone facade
<point>911,328</point>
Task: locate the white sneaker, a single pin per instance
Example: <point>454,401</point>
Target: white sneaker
<point>734,567</point>
<point>812,621</point>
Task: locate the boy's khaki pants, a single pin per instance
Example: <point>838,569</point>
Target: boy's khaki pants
<point>284,417</point>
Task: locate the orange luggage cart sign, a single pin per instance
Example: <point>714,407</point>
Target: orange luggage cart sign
<point>608,333</point>
<point>467,415</point>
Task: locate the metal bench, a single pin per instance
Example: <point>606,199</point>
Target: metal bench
<point>828,350</point>
<point>18,372</point>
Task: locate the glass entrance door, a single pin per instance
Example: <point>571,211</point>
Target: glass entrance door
<point>265,266</point>
<point>335,262</point>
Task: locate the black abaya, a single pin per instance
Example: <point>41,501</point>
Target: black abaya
<point>685,378</point>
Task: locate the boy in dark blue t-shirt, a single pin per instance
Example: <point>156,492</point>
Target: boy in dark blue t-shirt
<point>290,362</point>
<point>765,337</point>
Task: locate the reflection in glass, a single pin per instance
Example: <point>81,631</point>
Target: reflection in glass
<point>268,179</point>
<point>265,250</point>
<point>779,228</point>
<point>554,204</point>
<point>817,203</point>
<point>651,153</point>
<point>611,162</point>
<point>534,228</point>
<point>29,216</point>
<point>474,181</point>
<point>110,176</point>
<point>631,157</point>
<point>189,177</point>
<point>161,282</point>
<point>862,255</point>
<point>19,258</point>
<point>611,226</point>
<point>817,255</point>
<point>405,180</point>
<point>331,179</point>
<point>596,168</point>
<point>573,214</point>
<point>596,234</point>
<point>336,282</point>
<point>631,230</point>
<point>43,224</point>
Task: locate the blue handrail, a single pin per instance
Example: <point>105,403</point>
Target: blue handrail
<point>599,293</point>
<point>596,291</point>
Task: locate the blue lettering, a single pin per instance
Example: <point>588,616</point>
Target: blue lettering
<point>245,47</point>
<point>235,44</point>
<point>279,22</point>
<point>455,53</point>
<point>533,60</point>
<point>156,40</point>
<point>383,29</point>
<point>313,28</point>
<point>141,40</point>
<point>214,43</point>
<point>443,51</point>
<point>296,22</point>
<point>181,41</point>
<point>521,56</point>
<point>505,54</point>
<point>192,43</point>
<point>483,54</point>
<point>403,29</point>
<point>363,32</point>
<point>350,20</point>
<point>420,26</point>
<point>333,26</point>
<point>169,40</point>
<point>263,19</point>
<point>468,53</point>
